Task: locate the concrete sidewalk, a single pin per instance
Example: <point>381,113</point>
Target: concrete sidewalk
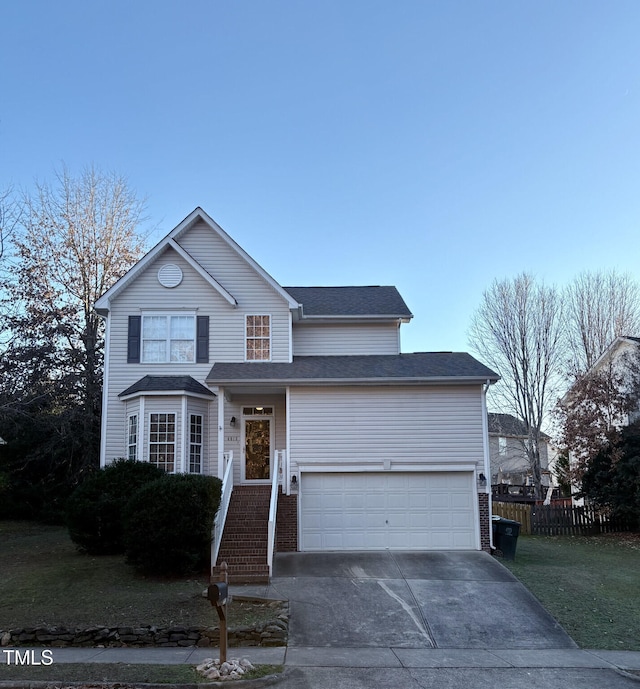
<point>345,657</point>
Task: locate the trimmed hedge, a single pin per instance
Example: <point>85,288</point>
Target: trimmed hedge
<point>168,524</point>
<point>95,509</point>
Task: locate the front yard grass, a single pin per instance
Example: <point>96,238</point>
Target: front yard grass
<point>44,580</point>
<point>91,673</point>
<point>591,585</point>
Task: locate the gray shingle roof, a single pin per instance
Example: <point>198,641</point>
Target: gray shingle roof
<point>508,425</point>
<point>350,301</point>
<point>167,384</point>
<point>418,366</point>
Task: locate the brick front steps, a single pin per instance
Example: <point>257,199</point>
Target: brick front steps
<point>244,541</point>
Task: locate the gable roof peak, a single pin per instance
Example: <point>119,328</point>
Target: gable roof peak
<point>103,304</point>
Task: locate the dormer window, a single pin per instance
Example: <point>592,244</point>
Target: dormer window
<point>258,338</point>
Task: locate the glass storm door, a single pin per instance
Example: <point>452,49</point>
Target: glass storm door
<point>257,449</point>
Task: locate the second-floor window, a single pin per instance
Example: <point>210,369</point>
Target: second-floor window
<point>168,339</point>
<point>258,338</point>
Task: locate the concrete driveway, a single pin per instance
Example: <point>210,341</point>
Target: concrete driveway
<point>448,600</point>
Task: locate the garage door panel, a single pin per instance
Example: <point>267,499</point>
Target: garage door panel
<point>371,511</point>
<point>440,501</point>
<point>399,501</point>
<point>354,501</point>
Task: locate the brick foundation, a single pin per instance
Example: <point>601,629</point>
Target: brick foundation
<point>485,522</point>
<point>287,523</point>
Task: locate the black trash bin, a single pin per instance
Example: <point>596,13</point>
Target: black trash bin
<point>494,530</point>
<point>505,536</point>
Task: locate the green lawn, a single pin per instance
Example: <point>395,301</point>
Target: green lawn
<point>45,580</point>
<point>118,672</point>
<point>591,585</point>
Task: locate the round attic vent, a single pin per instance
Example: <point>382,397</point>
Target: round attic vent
<point>170,275</point>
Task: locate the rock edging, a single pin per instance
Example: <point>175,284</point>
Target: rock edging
<point>271,633</point>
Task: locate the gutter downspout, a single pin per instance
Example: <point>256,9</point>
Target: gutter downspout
<point>487,456</point>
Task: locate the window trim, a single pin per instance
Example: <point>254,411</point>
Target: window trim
<point>247,338</point>
<point>169,315</point>
<point>195,444</point>
<point>174,443</point>
<point>133,445</point>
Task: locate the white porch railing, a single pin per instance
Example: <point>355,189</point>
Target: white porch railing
<point>286,472</point>
<point>221,515</point>
<point>280,473</point>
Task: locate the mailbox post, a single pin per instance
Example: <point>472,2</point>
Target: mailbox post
<point>218,593</point>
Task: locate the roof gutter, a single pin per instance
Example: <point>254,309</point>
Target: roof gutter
<point>348,381</point>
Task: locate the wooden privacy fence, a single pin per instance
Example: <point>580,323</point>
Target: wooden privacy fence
<point>518,511</point>
<point>558,520</point>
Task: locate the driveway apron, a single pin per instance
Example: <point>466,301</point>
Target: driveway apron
<point>410,600</point>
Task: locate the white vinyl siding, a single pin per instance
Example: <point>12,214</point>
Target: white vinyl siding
<point>368,426</point>
<point>253,294</point>
<point>227,327</point>
<point>345,339</point>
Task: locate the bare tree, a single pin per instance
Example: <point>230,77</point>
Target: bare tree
<point>9,218</point>
<point>518,331</point>
<point>600,307</point>
<point>75,240</point>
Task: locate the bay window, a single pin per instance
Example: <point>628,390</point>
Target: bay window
<point>195,444</point>
<point>132,437</point>
<point>162,441</point>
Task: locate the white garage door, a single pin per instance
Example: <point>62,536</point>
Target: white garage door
<point>401,511</point>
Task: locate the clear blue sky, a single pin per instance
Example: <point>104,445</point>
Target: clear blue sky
<point>433,145</point>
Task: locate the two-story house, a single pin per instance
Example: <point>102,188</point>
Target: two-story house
<point>208,357</point>
<point>510,465</point>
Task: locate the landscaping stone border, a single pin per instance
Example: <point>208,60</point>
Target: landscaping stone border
<point>271,633</point>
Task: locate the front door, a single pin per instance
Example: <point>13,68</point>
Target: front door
<point>257,448</point>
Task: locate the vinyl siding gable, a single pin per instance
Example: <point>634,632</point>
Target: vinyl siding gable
<point>252,293</point>
<point>345,339</point>
<point>369,426</point>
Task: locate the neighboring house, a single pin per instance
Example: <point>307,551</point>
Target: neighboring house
<point>509,461</point>
<point>621,358</point>
<point>207,356</point>
<point>619,366</point>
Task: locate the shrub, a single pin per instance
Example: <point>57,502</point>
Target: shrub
<point>95,509</point>
<point>612,479</point>
<point>168,524</point>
